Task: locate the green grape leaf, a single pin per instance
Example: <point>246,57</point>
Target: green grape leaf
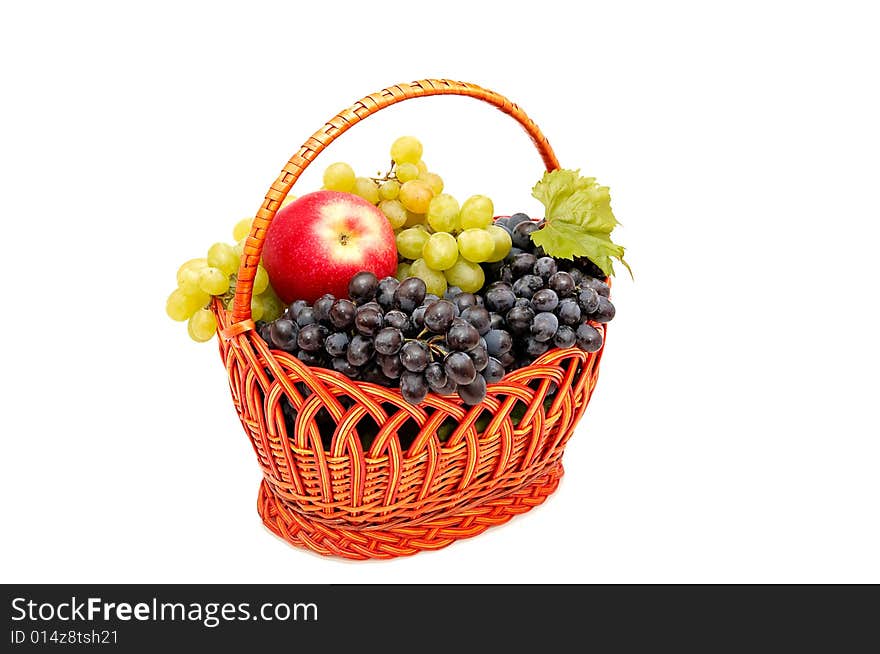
<point>578,219</point>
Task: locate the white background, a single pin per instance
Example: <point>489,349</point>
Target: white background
<point>733,436</point>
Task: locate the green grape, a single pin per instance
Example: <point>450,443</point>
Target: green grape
<point>242,229</point>
<point>394,212</point>
<point>422,166</point>
<point>468,276</point>
<point>179,306</point>
<point>411,241</point>
<point>406,149</point>
<point>261,280</point>
<point>416,196</point>
<point>188,273</point>
<point>202,326</point>
<point>433,180</point>
<point>287,200</point>
<point>367,189</point>
<point>502,242</point>
<point>407,172</point>
<point>435,281</point>
<point>476,245</point>
<point>440,251</point>
<point>402,271</point>
<point>213,281</point>
<point>443,213</point>
<point>238,248</point>
<point>257,308</point>
<point>196,298</point>
<point>222,256</point>
<point>389,190</point>
<point>339,177</point>
<point>414,220</point>
<point>272,307</point>
<point>477,212</point>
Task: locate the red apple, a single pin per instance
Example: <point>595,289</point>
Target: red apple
<point>317,243</point>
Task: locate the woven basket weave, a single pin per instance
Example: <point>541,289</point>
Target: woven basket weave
<point>394,499</point>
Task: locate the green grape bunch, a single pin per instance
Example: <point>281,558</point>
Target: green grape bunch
<point>201,279</point>
<point>439,240</point>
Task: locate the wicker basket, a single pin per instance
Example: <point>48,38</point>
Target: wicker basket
<point>394,498</point>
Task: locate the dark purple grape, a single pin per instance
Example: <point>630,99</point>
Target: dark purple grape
<point>439,316</point>
<point>496,321</point>
<point>283,334</point>
<point>494,371</point>
<point>505,274</point>
<point>360,350</point>
<point>480,357</point>
<point>413,387</point>
<point>462,336</point>
<point>430,298</point>
<point>409,294</point>
<point>436,377</point>
<point>588,300</point>
<point>523,302</point>
<point>514,251</point>
<point>306,316</point>
<point>604,312</point>
<point>385,292</point>
<point>264,330</point>
<point>522,264</point>
<point>508,359</point>
<point>589,338</point>
<point>415,356</point>
<point>372,304</point>
<point>545,300</point>
<point>562,283</point>
<point>545,268</point>
<point>294,309</point>
<point>500,299</point>
<point>311,337</point>
<point>519,320</point>
<point>459,368</point>
<point>597,285</point>
<point>321,307</point>
<point>451,388</point>
<point>465,300</point>
<point>576,275</point>
<point>501,222</point>
<point>565,337</point>
<point>477,316</point>
<point>498,342</point>
<point>342,314</point>
<point>372,373</point>
<point>368,320</point>
<point>388,341</point>
<point>391,365</point>
<point>397,319</point>
<point>418,318</point>
<point>473,393</point>
<point>589,268</point>
<point>544,326</point>
<point>310,358</point>
<point>516,219</point>
<point>451,292</point>
<point>526,286</point>
<point>535,348</point>
<point>569,312</point>
<point>343,366</point>
<point>362,287</point>
<point>336,344</point>
<point>522,232</point>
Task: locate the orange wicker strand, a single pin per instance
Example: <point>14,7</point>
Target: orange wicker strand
<point>391,499</point>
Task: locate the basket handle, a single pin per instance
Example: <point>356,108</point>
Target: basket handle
<point>253,248</point>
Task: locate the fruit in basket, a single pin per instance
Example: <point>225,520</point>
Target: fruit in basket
<point>317,243</point>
